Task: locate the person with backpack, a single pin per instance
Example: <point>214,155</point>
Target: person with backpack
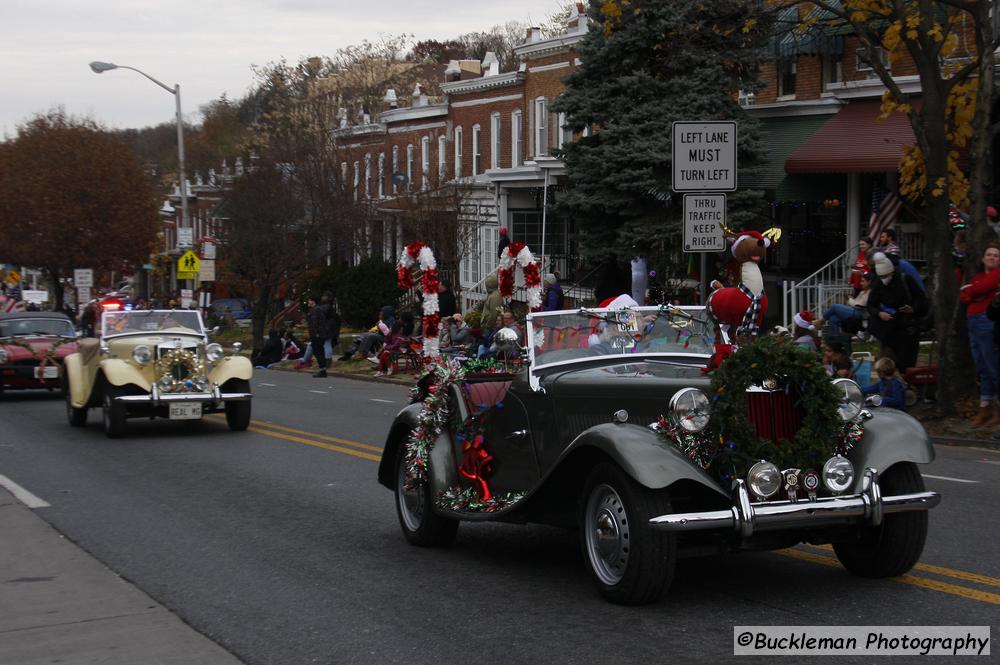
<point>896,307</point>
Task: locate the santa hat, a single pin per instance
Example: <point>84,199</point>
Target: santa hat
<point>883,265</point>
<point>749,234</point>
<point>991,212</point>
<point>624,300</point>
<point>503,230</point>
<point>804,320</point>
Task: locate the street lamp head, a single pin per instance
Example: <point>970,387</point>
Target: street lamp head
<point>99,67</point>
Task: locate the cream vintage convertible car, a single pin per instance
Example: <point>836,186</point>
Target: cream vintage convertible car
<point>155,363</point>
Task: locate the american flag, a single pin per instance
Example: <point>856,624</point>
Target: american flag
<point>885,210</point>
<point>8,305</point>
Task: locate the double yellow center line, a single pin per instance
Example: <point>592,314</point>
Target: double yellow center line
<point>818,554</point>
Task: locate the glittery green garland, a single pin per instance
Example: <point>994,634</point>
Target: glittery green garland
<point>433,415</point>
<point>467,500</point>
<point>10,341</point>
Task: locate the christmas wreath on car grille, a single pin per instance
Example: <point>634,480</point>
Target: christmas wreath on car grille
<point>180,366</point>
<point>775,363</point>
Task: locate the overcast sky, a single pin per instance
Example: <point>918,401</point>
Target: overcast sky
<point>207,46</point>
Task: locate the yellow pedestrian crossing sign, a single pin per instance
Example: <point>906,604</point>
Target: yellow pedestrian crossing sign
<point>188,265</point>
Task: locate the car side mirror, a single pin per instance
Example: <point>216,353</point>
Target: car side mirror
<point>214,331</point>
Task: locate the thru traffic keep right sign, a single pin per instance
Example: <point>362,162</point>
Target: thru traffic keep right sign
<point>704,219</point>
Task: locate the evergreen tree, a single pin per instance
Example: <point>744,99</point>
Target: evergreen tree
<point>645,64</point>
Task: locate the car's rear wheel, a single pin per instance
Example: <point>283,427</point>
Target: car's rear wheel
<point>76,417</point>
<point>113,413</point>
<point>238,413</point>
<point>630,562</point>
<point>895,546</point>
<point>421,526</point>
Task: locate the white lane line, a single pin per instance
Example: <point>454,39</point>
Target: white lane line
<point>267,384</point>
<point>22,495</point>
<point>386,401</point>
<point>954,480</point>
<point>320,392</point>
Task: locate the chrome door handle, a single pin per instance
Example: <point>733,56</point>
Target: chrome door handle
<point>518,434</point>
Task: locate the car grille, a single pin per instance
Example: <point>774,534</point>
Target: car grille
<point>774,413</point>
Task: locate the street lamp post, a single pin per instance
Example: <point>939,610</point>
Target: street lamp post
<point>100,68</point>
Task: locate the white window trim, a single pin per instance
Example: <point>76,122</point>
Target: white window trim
<point>477,150</point>
<point>425,163</point>
<point>381,175</point>
<point>516,139</point>
<point>357,179</point>
<point>395,167</point>
<point>495,141</point>
<point>541,113</point>
<point>458,153</point>
<point>368,176</point>
<point>442,159</point>
<point>410,152</point>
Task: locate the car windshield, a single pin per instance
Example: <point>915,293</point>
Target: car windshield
<point>150,321</point>
<point>36,327</point>
<point>588,333</point>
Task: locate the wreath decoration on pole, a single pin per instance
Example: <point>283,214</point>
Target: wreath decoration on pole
<point>420,255</point>
<point>518,254</point>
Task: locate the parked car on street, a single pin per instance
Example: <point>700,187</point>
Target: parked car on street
<point>238,307</point>
<point>155,364</point>
<point>608,422</point>
<point>33,346</point>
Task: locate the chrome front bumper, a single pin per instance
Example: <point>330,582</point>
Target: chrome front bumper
<point>747,518</point>
<point>156,397</point>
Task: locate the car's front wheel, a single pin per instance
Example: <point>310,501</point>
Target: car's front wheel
<point>631,563</point>
<point>238,413</point>
<point>421,526</point>
<point>113,413</point>
<point>895,546</point>
<point>76,417</point>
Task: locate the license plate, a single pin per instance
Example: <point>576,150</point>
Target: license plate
<point>47,372</point>
<point>185,411</point>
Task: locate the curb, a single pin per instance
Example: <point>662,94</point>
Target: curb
<point>354,376</point>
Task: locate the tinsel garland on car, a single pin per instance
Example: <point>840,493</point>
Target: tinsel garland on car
<point>38,353</point>
<point>432,390</point>
<point>730,442</point>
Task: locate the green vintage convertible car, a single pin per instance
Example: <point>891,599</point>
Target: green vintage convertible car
<point>608,422</point>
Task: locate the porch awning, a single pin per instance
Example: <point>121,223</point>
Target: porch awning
<point>782,136</point>
<point>854,141</point>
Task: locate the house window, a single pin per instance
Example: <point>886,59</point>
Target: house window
<point>458,153</point>
<point>786,77</point>
<point>368,176</point>
<point>863,62</point>
<point>745,97</point>
<point>442,160</point>
<point>516,139</point>
<point>833,69</point>
<point>425,162</point>
<point>565,133</point>
<point>357,179</point>
<point>541,127</point>
<point>343,176</point>
<point>395,167</point>
<point>495,141</point>
<point>381,175</point>
<point>409,167</point>
<point>477,161</point>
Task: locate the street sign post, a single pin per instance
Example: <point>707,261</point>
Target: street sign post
<point>704,156</point>
<point>704,219</point>
<point>82,295</point>
<point>207,271</point>
<point>83,277</point>
<point>185,237</point>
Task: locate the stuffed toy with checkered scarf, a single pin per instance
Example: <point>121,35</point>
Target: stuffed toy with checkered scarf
<point>740,309</point>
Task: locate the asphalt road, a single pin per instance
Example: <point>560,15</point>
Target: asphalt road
<point>279,544</point>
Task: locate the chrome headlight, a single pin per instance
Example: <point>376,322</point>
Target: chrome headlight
<point>3,356</point>
<point>142,354</point>
<point>838,474</point>
<point>852,400</point>
<point>764,479</point>
<point>690,409</point>
<point>214,352</point>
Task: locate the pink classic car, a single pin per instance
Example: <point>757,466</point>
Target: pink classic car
<point>32,348</point>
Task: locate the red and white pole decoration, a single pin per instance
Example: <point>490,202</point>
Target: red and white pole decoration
<point>414,255</point>
<point>518,254</point>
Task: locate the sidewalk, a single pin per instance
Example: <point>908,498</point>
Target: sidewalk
<point>58,604</point>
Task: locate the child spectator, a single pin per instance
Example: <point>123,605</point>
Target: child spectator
<point>890,385</point>
<point>805,332</point>
<point>393,344</point>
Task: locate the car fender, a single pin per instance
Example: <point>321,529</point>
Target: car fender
<point>890,437</point>
<point>118,372</point>
<point>79,384</point>
<point>642,454</point>
<point>232,367</point>
<point>443,471</point>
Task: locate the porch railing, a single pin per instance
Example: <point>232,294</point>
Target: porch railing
<point>828,285</point>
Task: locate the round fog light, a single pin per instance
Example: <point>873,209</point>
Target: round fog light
<point>166,382</point>
<point>764,479</point>
<point>838,474</point>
